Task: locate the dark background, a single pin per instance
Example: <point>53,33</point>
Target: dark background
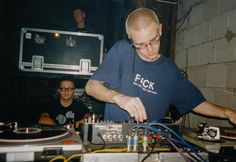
<point>20,89</point>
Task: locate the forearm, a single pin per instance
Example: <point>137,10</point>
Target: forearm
<point>99,91</point>
<point>133,105</point>
<point>213,110</point>
<point>77,123</point>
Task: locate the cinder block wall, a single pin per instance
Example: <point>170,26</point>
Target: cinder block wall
<point>206,49</point>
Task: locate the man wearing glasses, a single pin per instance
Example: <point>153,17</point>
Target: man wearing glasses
<point>137,82</point>
<point>65,109</point>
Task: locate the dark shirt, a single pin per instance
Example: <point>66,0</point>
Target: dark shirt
<point>82,30</point>
<point>158,84</point>
<point>65,115</point>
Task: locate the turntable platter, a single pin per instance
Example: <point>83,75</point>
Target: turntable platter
<point>34,134</point>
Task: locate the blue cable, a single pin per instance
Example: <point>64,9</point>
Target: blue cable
<point>184,142</point>
<point>164,134</point>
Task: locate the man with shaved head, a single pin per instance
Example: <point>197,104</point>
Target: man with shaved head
<point>137,82</point>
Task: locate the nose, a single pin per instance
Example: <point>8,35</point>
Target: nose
<point>149,47</point>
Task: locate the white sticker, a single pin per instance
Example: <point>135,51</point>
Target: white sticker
<point>28,35</point>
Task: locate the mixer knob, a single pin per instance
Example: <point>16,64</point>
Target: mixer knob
<point>120,137</point>
<point>109,137</point>
<point>115,137</point>
<point>104,136</point>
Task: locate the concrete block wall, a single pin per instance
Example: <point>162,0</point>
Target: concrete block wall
<point>206,49</point>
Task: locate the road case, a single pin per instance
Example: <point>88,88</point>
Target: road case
<point>55,51</point>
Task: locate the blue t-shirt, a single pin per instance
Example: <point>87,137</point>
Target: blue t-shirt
<point>158,84</point>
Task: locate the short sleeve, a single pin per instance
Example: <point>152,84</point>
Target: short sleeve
<point>111,67</point>
<point>186,96</point>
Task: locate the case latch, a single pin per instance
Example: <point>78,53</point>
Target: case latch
<point>85,65</point>
<point>37,62</point>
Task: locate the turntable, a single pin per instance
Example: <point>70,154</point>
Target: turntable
<point>40,142</point>
<point>227,139</point>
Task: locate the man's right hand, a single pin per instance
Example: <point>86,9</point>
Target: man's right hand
<point>133,105</point>
<point>45,119</point>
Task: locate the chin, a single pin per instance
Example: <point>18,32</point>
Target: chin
<point>151,59</point>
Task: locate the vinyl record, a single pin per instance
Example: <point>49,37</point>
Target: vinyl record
<point>34,134</point>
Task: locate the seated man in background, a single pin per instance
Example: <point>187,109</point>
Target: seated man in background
<point>64,109</point>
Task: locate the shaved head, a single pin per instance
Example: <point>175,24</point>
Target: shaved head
<point>140,19</point>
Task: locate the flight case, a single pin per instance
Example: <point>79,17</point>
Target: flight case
<point>55,51</point>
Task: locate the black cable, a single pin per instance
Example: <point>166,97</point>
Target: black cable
<point>184,18</point>
<point>103,145</point>
<point>150,152</point>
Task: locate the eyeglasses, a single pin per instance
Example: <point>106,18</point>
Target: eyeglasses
<point>143,46</point>
<point>63,89</point>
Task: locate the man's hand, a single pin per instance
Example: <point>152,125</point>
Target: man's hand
<point>45,119</point>
<point>133,105</point>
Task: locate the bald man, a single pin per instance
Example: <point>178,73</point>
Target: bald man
<point>137,82</point>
